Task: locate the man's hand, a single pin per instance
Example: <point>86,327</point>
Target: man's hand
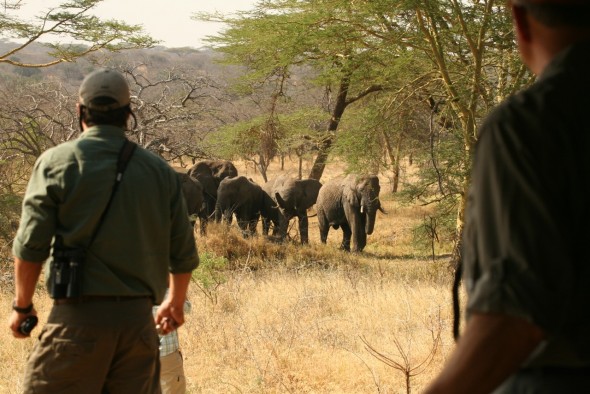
<point>170,314</point>
<point>169,317</point>
<point>15,320</point>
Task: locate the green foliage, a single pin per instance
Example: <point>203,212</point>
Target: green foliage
<point>241,139</point>
<point>436,233</point>
<point>301,128</point>
<point>360,141</point>
<point>69,19</point>
<point>210,271</point>
<point>296,132</point>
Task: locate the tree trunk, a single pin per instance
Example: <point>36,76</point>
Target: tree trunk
<point>396,167</point>
<point>317,170</point>
<point>394,158</point>
<point>460,224</point>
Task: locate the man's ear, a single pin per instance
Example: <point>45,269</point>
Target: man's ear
<point>521,23</point>
<point>79,112</point>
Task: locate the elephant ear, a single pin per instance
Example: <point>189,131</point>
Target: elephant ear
<point>310,189</point>
<point>350,194</point>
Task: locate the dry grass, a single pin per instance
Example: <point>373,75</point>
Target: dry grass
<point>294,319</point>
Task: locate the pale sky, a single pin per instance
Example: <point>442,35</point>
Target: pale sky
<point>166,20</point>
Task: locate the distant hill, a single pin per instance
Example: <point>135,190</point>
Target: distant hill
<point>158,58</point>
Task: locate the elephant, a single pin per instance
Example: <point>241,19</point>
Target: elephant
<point>244,198</point>
<point>210,173</point>
<point>350,203</point>
<point>192,191</point>
<point>293,197</point>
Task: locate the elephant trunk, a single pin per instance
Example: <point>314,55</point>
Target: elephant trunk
<point>371,221</point>
<point>370,210</point>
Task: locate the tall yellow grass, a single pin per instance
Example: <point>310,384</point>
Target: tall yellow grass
<point>297,319</point>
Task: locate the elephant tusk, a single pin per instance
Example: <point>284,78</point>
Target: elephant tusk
<point>362,209</point>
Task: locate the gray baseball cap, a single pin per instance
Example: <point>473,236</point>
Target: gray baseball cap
<point>104,83</point>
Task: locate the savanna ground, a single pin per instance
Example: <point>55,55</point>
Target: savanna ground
<point>285,318</point>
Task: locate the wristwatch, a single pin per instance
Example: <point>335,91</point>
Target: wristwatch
<point>24,310</point>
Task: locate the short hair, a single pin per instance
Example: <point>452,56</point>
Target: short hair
<point>116,117</point>
<point>558,13</point>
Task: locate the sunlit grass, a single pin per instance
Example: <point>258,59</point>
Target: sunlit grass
<point>287,318</point>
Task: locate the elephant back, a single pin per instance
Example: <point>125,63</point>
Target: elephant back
<point>239,188</point>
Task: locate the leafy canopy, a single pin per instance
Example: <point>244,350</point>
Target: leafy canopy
<point>71,20</point>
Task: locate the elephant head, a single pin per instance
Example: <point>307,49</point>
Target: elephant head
<point>293,197</point>
<point>222,169</point>
<point>363,192</point>
<point>296,196</point>
<point>192,191</point>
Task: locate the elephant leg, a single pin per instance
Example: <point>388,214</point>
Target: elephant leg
<point>360,236</point>
<point>346,235</point>
<point>275,229</point>
<point>218,213</point>
<point>203,224</point>
<point>361,240</point>
<point>265,226</point>
<point>303,229</point>
<point>228,216</point>
<point>243,225</point>
<point>283,227</point>
<point>252,226</point>
<point>324,227</point>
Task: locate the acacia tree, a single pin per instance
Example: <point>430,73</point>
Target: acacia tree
<point>471,49</point>
<point>71,19</point>
<point>279,35</point>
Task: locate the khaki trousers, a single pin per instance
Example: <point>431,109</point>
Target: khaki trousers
<point>172,374</point>
<point>96,347</point>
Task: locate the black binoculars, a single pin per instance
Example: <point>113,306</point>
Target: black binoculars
<point>65,278</point>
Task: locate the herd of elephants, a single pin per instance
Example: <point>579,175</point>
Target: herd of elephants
<point>214,190</point>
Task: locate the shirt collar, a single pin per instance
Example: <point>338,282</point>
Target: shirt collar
<point>572,58</point>
<point>104,131</point>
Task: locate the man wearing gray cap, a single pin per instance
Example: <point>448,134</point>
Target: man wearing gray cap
<point>526,265</point>
<point>114,221</point>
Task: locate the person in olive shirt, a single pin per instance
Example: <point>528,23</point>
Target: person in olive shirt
<point>525,255</point>
<point>106,339</point>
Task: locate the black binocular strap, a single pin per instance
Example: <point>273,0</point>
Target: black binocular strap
<point>456,301</point>
<point>124,155</point>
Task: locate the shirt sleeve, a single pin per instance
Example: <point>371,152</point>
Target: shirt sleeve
<point>514,250</point>
<point>39,215</point>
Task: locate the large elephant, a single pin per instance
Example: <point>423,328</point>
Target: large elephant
<point>210,173</point>
<point>243,198</point>
<point>293,197</point>
<point>350,203</point>
<point>193,193</point>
